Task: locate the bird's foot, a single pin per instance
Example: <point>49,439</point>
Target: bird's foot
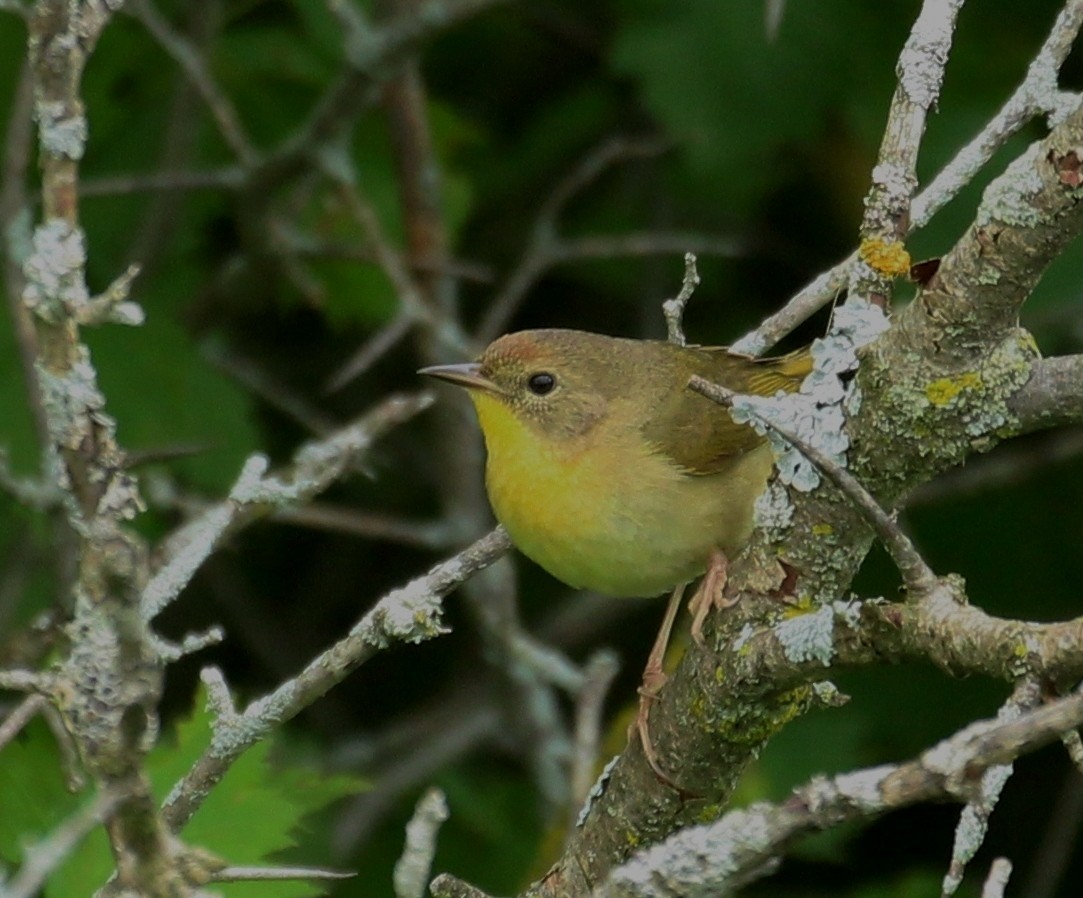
<point>654,678</point>
<point>711,594</point>
<point>653,681</point>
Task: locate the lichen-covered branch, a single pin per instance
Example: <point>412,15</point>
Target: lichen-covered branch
<point>108,684</point>
<point>315,466</point>
<point>949,366</point>
<point>894,178</point>
<point>716,858</point>
<point>1038,93</point>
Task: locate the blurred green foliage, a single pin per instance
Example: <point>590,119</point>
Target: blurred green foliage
<point>251,818</point>
<point>772,139</point>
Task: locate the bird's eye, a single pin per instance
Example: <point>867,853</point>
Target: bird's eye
<point>541,383</point>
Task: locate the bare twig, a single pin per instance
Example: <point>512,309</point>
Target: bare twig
<point>974,819</point>
<point>409,614</point>
<point>369,525</point>
<point>673,309</point>
<point>1036,94</point>
<point>645,243</point>
<point>414,305</point>
<point>191,61</point>
<point>414,865</point>
<point>372,350</point>
<point>19,717</point>
<point>278,874</point>
<point>262,384</point>
<point>368,62</point>
<point>229,178</point>
<point>598,676</point>
<point>542,248</point>
<point>44,857</point>
<point>315,466</point>
<point>996,882</point>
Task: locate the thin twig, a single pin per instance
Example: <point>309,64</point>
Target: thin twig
<point>916,573</point>
<point>372,350</point>
<point>974,819</point>
<point>191,61</point>
<point>412,869</point>
<point>598,675</point>
<point>367,63</point>
<point>44,857</point>
<point>1000,871</point>
<point>263,385</point>
<point>409,614</point>
<point>278,874</point>
<point>673,309</point>
<point>1025,102</point>
<point>437,535</point>
<point>229,178</point>
<point>20,716</point>
<point>315,466</point>
<point>542,247</point>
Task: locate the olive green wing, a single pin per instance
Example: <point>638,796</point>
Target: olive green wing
<point>699,435</point>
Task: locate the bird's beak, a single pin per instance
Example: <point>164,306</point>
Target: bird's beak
<point>466,375</point>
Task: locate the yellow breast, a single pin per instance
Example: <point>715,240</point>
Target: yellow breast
<point>605,511</point>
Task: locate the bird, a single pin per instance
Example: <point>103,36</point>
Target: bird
<point>611,474</point>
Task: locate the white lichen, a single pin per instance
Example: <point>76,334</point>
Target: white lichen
<point>54,271</point>
<point>62,132</point>
<point>1009,199</point>
<point>596,791</point>
<point>816,413</point>
<point>808,637</point>
<point>743,637</point>
<point>773,509</point>
<point>862,788</point>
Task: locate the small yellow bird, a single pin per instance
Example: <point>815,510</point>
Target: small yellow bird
<point>610,473</point>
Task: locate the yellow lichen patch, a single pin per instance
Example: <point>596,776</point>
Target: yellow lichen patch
<point>889,259</point>
<point>802,605</point>
<point>943,391</point>
<point>822,529</point>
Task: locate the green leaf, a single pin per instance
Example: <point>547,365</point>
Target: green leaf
<point>248,819</point>
<point>163,394</point>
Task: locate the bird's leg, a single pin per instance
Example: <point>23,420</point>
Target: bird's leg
<point>654,678</point>
<point>710,594</point>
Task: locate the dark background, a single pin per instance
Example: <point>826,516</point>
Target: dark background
<point>769,146</point>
